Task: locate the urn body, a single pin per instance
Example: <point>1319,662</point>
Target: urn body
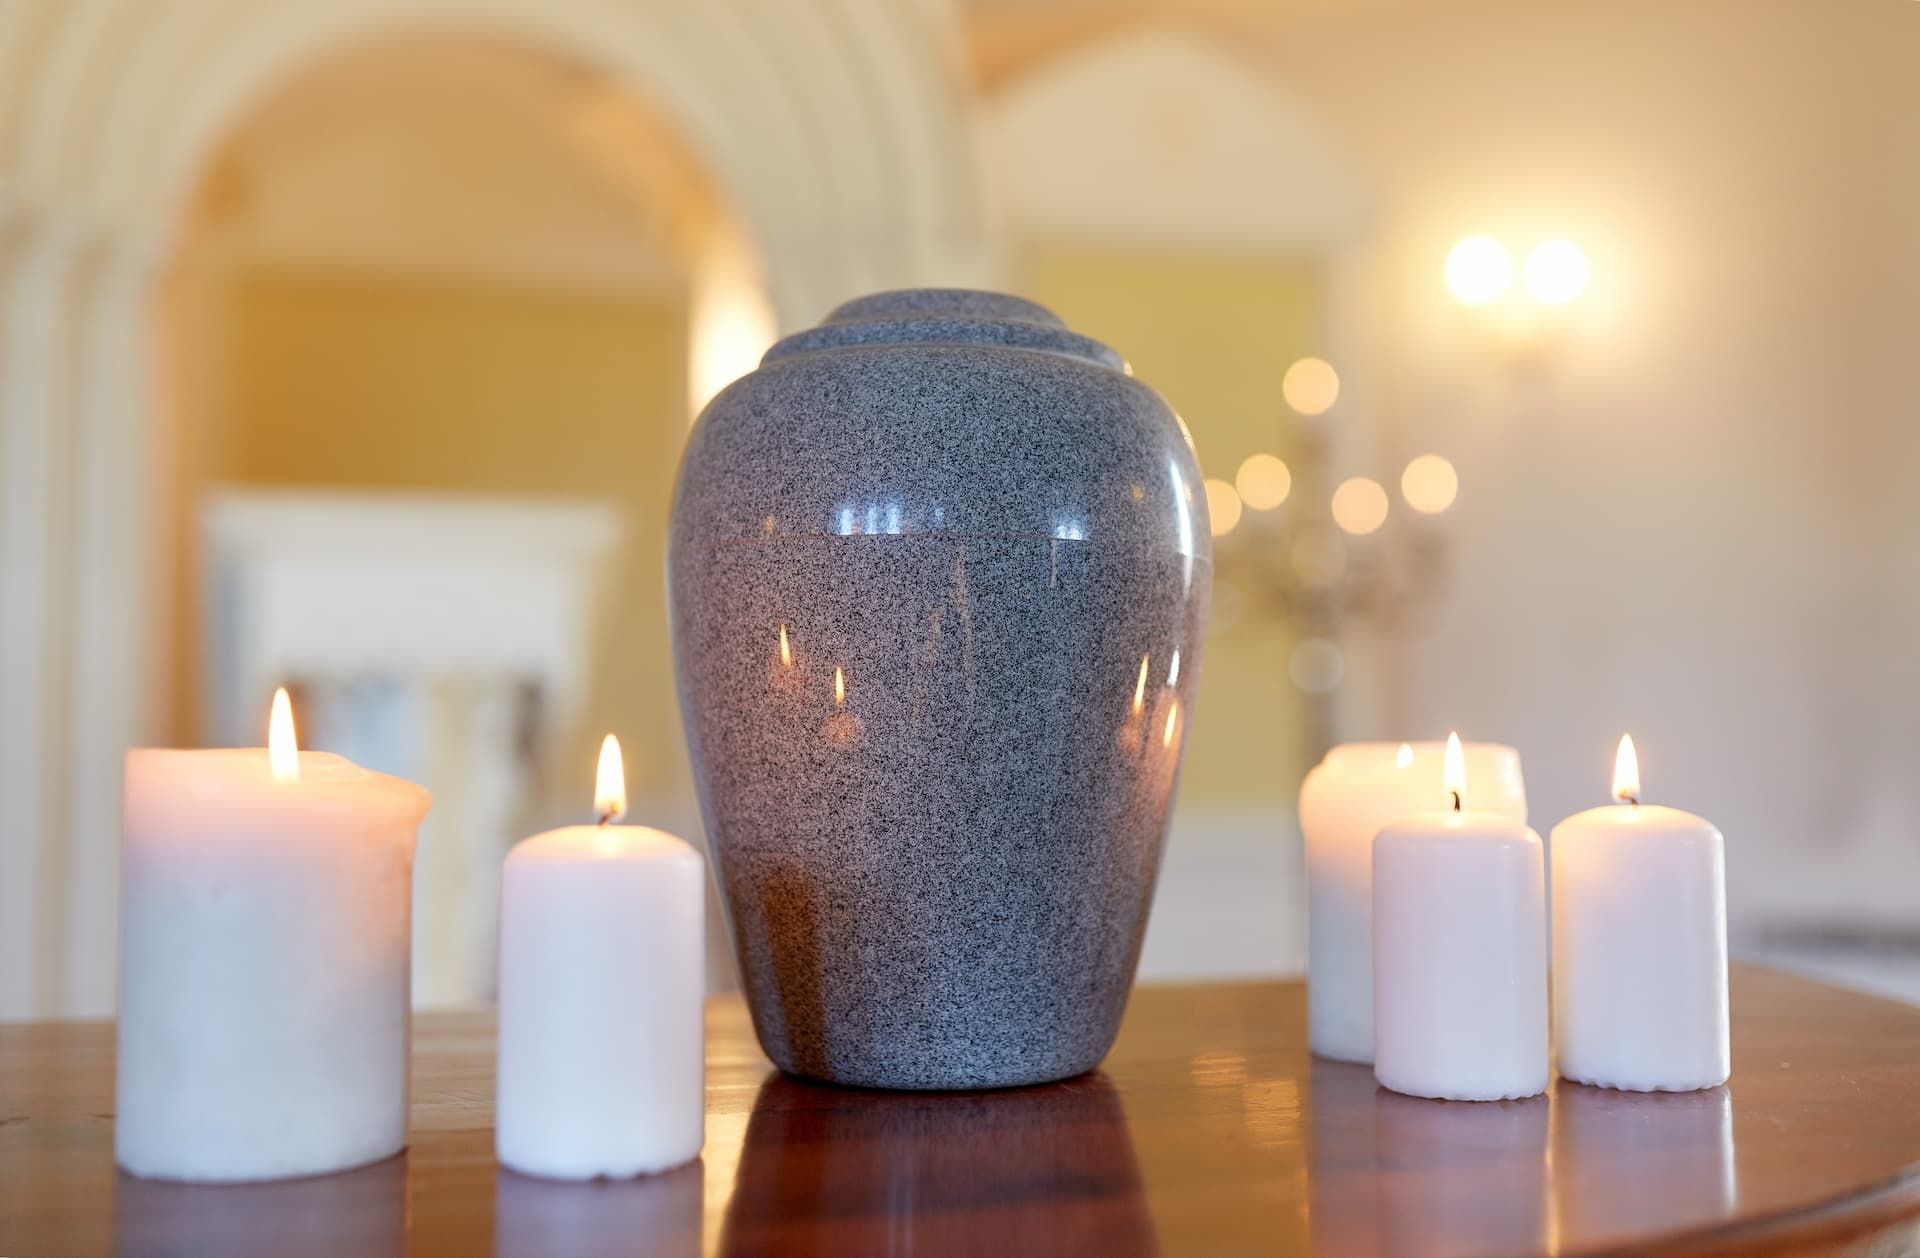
<point>939,572</point>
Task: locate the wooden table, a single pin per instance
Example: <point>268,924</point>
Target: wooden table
<point>1208,1131</point>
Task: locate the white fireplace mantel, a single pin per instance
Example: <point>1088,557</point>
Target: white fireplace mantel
<point>306,584</point>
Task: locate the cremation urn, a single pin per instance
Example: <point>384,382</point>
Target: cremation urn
<point>939,573</point>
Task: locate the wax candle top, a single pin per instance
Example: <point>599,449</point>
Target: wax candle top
<point>1494,767</point>
<point>1457,805</point>
<point>1630,811</point>
<point>1459,809</point>
<point>603,843</point>
<point>1647,816</point>
<point>194,788</point>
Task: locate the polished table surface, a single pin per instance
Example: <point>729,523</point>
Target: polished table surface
<point>1208,1130</point>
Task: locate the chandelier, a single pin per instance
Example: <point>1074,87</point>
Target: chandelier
<point>1291,548</point>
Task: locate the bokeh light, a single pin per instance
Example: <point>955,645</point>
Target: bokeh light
<point>1429,484</point>
<point>1223,506</point>
<point>1556,272</point>
<point>1360,506</point>
<point>1263,481</point>
<point>1317,665</point>
<point>1311,386</point>
<point>1478,270</point>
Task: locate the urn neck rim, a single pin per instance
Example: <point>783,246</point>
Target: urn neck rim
<point>945,317</point>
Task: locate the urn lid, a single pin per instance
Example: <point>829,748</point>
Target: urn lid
<point>945,316</point>
<point>943,412</point>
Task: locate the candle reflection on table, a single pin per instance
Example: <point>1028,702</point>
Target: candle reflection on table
<point>1478,1171</point>
<point>1641,1163</point>
<point>360,1212</point>
<point>1047,1169</point>
<point>1401,1175</point>
<point>657,1215</point>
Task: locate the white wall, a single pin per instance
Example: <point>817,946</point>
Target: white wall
<point>1688,508</point>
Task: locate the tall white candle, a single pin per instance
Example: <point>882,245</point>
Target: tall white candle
<point>1459,953</point>
<point>1640,944</point>
<point>264,947</point>
<point>602,997</point>
<point>1346,799</point>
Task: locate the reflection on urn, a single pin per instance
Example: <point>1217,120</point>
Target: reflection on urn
<point>1048,1169</point>
<point>842,728</point>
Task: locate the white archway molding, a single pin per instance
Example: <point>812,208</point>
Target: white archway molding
<point>836,131</point>
<point>833,132</point>
<point>1191,144</point>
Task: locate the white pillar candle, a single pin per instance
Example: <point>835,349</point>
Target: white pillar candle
<point>1459,953</point>
<point>1640,944</point>
<point>602,998</point>
<point>264,939</point>
<point>1346,799</point>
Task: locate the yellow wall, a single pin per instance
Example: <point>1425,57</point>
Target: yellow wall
<point>342,380</point>
<point>1212,334</point>
<point>338,380</point>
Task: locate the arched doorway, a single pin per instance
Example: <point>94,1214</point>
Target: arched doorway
<point>434,305</point>
<point>849,167</point>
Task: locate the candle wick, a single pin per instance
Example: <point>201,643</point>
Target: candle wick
<point>1634,800</point>
<point>606,819</point>
<point>1456,800</point>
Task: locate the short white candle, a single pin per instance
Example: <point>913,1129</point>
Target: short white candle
<point>264,939</point>
<point>1640,944</point>
<point>602,997</point>
<point>1346,799</point>
<point>1459,953</point>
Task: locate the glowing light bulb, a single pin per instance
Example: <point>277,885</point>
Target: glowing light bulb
<point>1556,272</point>
<point>1311,386</point>
<point>1263,482</point>
<point>1429,484</point>
<point>610,783</point>
<point>1626,772</point>
<point>1360,506</point>
<point>1223,507</point>
<point>283,749</point>
<point>1478,270</point>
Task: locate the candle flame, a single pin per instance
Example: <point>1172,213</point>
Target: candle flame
<point>1405,757</point>
<point>1626,772</point>
<point>1140,688</point>
<point>1173,718</point>
<point>1456,771</point>
<point>1173,668</point>
<point>839,686</point>
<point>610,783</point>
<point>283,749</point>
<point>786,650</point>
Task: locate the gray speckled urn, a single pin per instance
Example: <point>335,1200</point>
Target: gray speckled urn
<point>939,572</point>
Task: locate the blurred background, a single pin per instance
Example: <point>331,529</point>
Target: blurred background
<point>1553,366</point>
